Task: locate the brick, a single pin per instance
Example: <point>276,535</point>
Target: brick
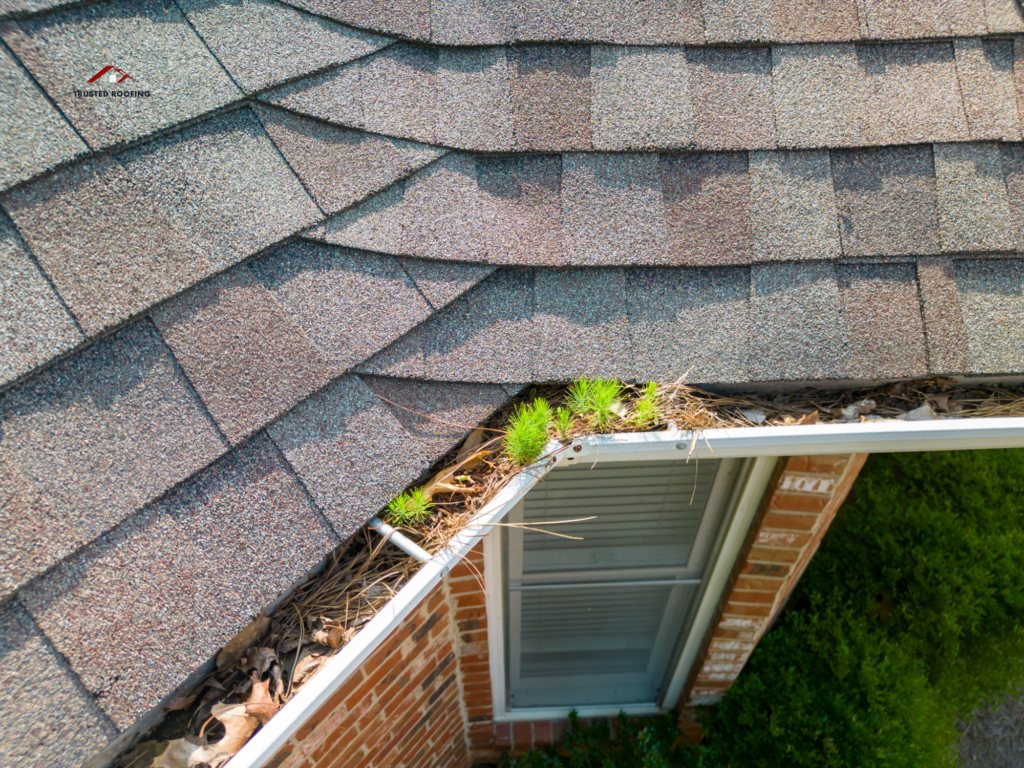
<point>827,465</point>
<point>784,521</point>
<point>738,609</point>
<point>758,583</point>
<point>796,503</point>
<point>502,735</point>
<point>773,556</point>
<point>522,735</point>
<point>542,733</point>
<point>782,539</point>
<point>799,483</point>
<point>763,598</point>
<point>765,569</point>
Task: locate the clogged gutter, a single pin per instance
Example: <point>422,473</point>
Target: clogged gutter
<point>263,667</point>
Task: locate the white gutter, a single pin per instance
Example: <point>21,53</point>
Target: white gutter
<point>405,544</point>
<point>871,437</point>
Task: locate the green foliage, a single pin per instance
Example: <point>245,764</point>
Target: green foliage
<point>651,744</point>
<point>527,431</point>
<point>645,410</point>
<point>577,396</point>
<point>409,508</point>
<point>596,398</point>
<point>563,422</point>
<point>910,614</point>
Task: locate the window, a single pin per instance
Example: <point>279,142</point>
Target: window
<point>600,620</point>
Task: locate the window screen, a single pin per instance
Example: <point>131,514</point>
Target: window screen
<point>596,621</point>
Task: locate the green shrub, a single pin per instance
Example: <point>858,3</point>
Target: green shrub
<point>527,431</point>
<point>409,508</point>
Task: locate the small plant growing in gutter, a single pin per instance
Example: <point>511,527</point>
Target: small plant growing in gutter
<point>409,508</point>
<point>645,411</point>
<point>577,397</point>
<point>563,423</point>
<point>528,431</point>
<point>600,400</point>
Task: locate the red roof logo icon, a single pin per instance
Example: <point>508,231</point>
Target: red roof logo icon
<point>115,75</point>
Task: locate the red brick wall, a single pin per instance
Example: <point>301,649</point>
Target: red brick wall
<point>401,709</point>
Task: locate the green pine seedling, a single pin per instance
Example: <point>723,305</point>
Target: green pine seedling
<point>605,400</point>
<point>409,508</point>
<point>577,397</point>
<point>563,422</point>
<point>645,410</point>
<point>528,432</point>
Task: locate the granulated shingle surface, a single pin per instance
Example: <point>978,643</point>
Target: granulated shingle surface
<point>340,166</point>
<point>36,136</point>
<point>886,200</point>
<point>397,88</point>
<point>470,22</point>
<point>441,282</point>
<point>224,184</point>
<point>405,18</point>
<point>34,325</point>
<point>551,97</point>
<point>985,68</point>
<point>891,19</point>
<point>796,323</point>
<point>105,432</point>
<point>149,39</point>
<point>376,224</point>
<point>46,718</point>
<point>707,204</point>
<point>580,317</point>
<point>83,226</point>
<point>247,360</point>
<point>349,303</point>
<point>524,194</point>
<point>612,209</point>
<point>783,21</point>
<point>992,297</point>
<point>198,566</point>
<point>453,409</point>
<point>332,96</point>
<point>640,98</point>
<point>943,316</point>
<point>974,213</point>
<point>1012,156</point>
<point>29,6</point>
<point>731,98</point>
<point>792,206</point>
<point>262,42</point>
<point>631,21</point>
<point>350,451</point>
<point>693,322</point>
<point>1004,16</point>
<point>474,107</point>
<point>882,321</point>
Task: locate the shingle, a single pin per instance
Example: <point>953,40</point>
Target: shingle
<point>731,98</point>
<point>404,18</point>
<point>524,194</point>
<point>103,433</point>
<point>46,717</point>
<point>944,327</point>
<point>915,93</point>
<point>247,360</point>
<point>992,298</point>
<point>782,21</point>
<point>8,7</point>
<point>551,97</point>
<point>83,226</point>
<point>580,317</point>
<point>486,335</point>
<point>1004,16</point>
<point>796,323</point>
<point>437,414</point>
<point>470,22</point>
<point>149,39</point>
<point>444,213</point>
<point>34,325</point>
<point>332,96</point>
<point>332,293</point>
<point>340,166</point>
<point>474,105</point>
<point>612,210</point>
<point>882,319</point>
<point>376,224</point>
<point>262,42</point>
<point>441,282</point>
<point>793,206</point>
<point>640,98</point>
<point>36,136</point>
<point>1018,77</point>
<point>1012,156</point>
<point>821,95</point>
<point>707,207</point>
<point>632,21</point>
<point>896,19</point>
<point>398,91</point>
<point>886,201</point>
<point>224,184</point>
<point>974,213</point>
<point>351,453</point>
<point>985,68</point>
<point>689,322</point>
<point>142,608</point>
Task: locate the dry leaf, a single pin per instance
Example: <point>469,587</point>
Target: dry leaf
<point>475,438</point>
<point>235,648</point>
<point>332,637</point>
<point>940,400</point>
<point>238,724</point>
<point>260,705</point>
<point>309,662</point>
<point>180,702</point>
<point>259,659</point>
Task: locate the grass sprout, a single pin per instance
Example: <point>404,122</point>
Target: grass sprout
<point>528,431</point>
<point>409,508</point>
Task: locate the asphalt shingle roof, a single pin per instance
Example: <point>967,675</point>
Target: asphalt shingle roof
<point>225,305</point>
